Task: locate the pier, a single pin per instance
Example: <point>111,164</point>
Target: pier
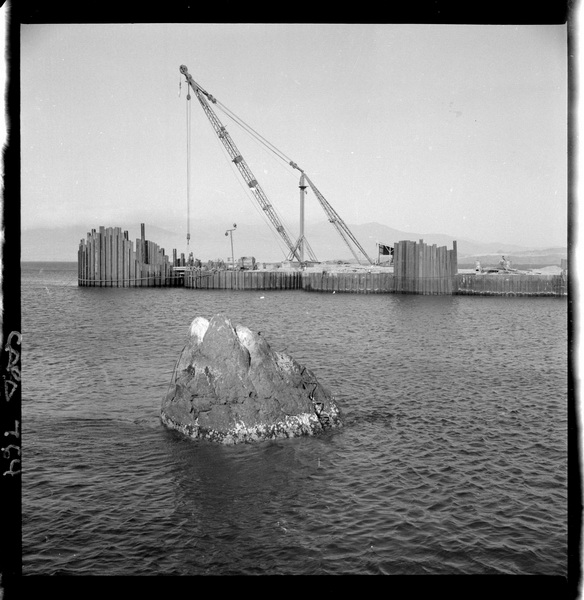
<point>462,284</point>
<point>511,284</point>
<point>108,258</point>
<point>243,280</point>
<point>364,282</point>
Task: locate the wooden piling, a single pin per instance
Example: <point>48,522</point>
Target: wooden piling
<point>107,259</point>
<point>422,269</point>
<point>510,284</point>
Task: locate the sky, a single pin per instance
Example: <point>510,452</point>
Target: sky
<point>453,129</point>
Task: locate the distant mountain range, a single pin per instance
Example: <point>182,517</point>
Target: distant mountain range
<point>208,241</point>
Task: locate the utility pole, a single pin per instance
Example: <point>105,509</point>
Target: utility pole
<point>229,232</point>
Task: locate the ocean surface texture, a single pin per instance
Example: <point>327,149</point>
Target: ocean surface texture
<point>453,458</point>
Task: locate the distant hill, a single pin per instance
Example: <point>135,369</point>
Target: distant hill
<point>208,241</point>
<point>371,233</point>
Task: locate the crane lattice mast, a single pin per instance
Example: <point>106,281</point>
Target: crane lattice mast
<point>239,161</point>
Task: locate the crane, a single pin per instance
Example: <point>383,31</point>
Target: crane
<point>296,250</point>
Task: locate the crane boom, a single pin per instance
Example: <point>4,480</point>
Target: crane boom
<point>239,161</point>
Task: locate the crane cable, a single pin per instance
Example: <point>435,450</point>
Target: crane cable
<point>188,107</point>
<point>251,131</point>
<point>329,211</point>
<point>246,190</point>
<point>261,140</point>
<point>248,194</point>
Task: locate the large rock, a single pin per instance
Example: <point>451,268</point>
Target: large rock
<point>229,386</point>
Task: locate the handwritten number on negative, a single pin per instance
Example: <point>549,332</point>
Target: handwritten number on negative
<point>11,383</point>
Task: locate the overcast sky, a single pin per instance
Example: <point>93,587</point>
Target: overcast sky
<point>454,129</point>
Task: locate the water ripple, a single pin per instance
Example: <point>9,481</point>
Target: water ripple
<point>452,460</point>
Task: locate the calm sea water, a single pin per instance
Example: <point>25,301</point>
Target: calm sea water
<point>453,459</point>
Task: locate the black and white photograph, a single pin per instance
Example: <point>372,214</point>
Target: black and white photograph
<point>294,299</point>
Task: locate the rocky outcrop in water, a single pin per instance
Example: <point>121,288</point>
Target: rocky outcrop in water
<point>229,386</point>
